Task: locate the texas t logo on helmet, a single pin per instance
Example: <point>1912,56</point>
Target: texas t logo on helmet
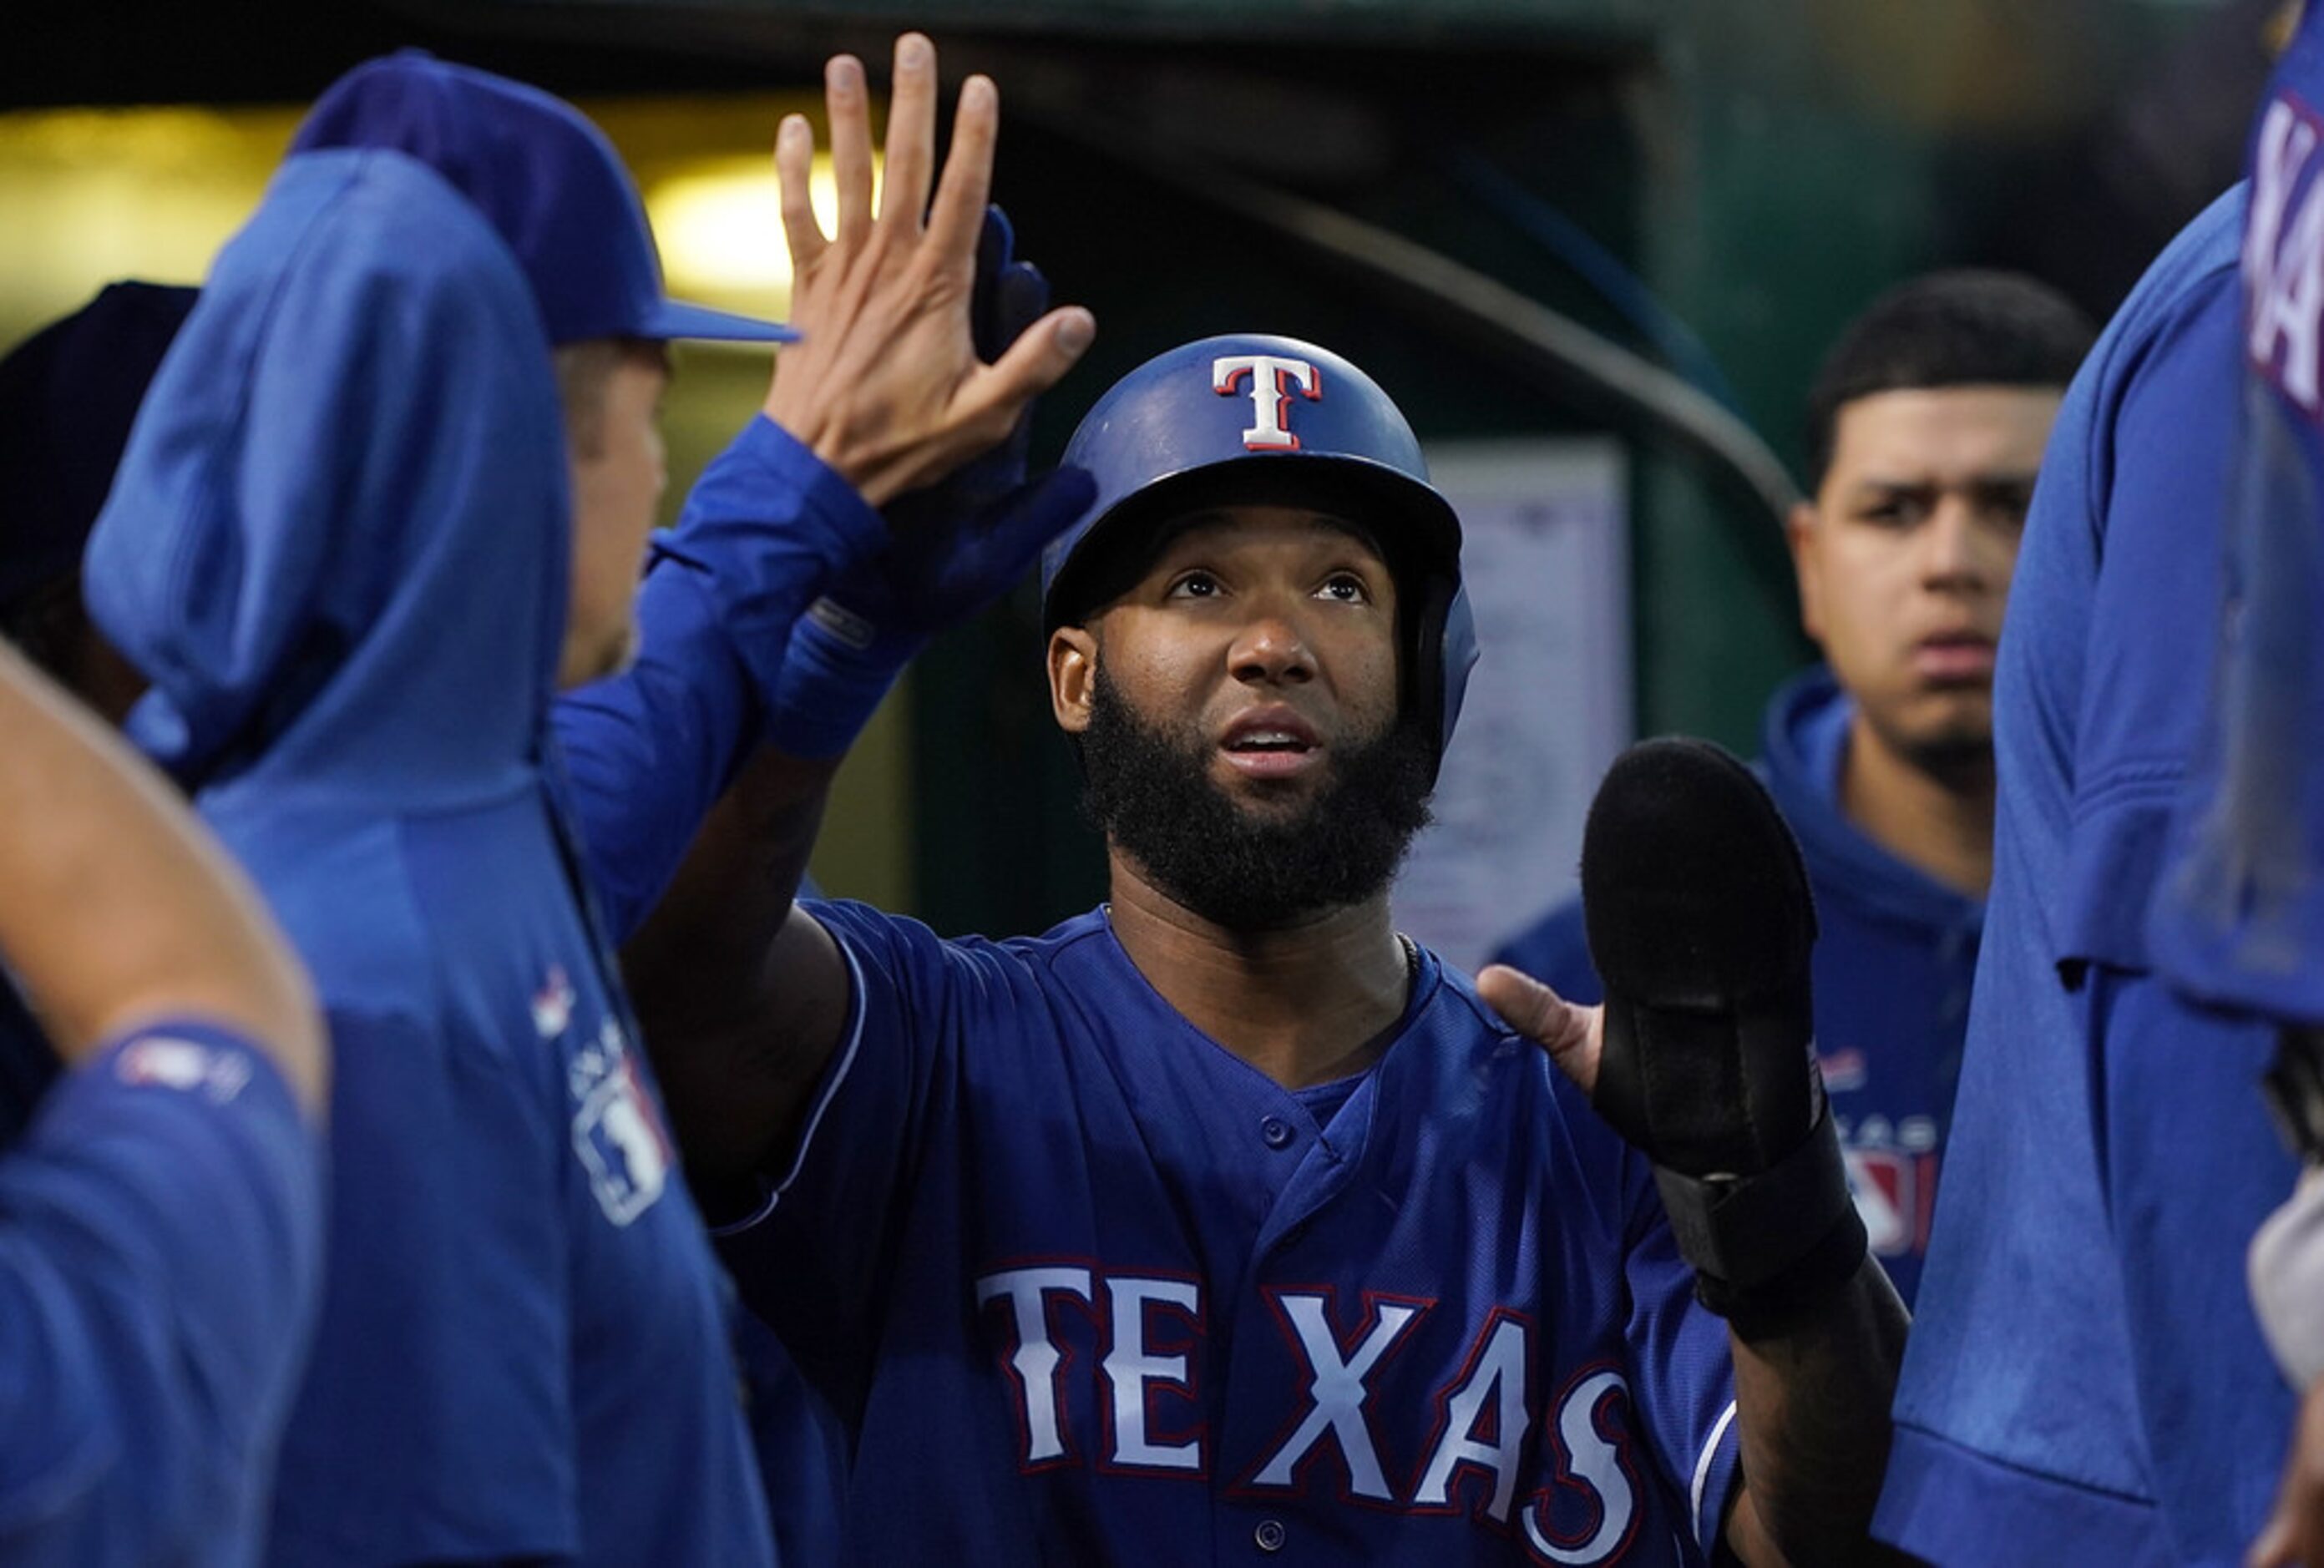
<point>1272,378</point>
<point>1167,442</point>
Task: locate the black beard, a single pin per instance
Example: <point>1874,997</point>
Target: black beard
<point>1959,757</point>
<point>1150,794</point>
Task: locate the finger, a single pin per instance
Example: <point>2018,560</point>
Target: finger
<point>911,133</point>
<point>1035,362</point>
<point>1570,1034</point>
<point>848,102</point>
<point>794,174</point>
<point>958,216</point>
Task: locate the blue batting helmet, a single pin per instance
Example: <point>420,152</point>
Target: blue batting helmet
<point>1253,419</point>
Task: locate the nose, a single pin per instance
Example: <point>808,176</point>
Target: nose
<point>1953,545</point>
<point>1270,651</point>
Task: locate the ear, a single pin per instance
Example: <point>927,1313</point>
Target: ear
<point>1073,677</point>
<point>1800,532</point>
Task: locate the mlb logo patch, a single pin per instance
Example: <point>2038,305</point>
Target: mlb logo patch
<point>622,1144</point>
<point>167,1062</point>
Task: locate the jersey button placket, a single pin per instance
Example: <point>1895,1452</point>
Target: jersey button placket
<point>1268,1536</point>
<point>1276,1132</point>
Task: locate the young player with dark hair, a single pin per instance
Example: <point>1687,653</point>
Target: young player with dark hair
<point>1925,430</point>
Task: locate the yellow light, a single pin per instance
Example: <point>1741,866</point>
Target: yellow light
<point>97,193</point>
<point>719,224</point>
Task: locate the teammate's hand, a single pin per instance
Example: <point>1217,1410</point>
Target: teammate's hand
<point>2295,1531</point>
<point>957,546</point>
<point>1573,1036</point>
<point>885,384</point>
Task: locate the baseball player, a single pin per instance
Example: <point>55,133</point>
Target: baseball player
<point>1223,1222</point>
<point>66,396</point>
<point>2238,923</point>
<point>161,1226</point>
<point>1925,428</point>
<point>347,568</point>
<point>2086,1380</point>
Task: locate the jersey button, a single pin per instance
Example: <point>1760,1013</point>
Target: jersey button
<point>1277,1132</point>
<point>1268,1536</point>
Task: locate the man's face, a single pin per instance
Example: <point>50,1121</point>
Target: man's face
<point>1905,553</point>
<point>618,474</point>
<point>1237,709</point>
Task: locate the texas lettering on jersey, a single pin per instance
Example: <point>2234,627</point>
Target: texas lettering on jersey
<point>2283,252</point>
<point>1560,1476</point>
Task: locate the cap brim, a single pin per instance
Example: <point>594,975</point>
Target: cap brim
<point>677,318</point>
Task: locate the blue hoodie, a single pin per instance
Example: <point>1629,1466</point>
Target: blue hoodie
<point>1895,955</point>
<point>338,545</point>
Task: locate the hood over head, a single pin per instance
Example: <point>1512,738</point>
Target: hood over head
<point>339,540</point>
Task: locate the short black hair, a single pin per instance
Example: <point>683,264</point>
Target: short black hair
<point>1966,327</point>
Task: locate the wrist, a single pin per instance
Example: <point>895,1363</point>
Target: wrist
<point>838,666</point>
<point>1769,1246</point>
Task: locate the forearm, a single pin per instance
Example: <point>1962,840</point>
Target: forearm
<point>741,1003</point>
<point>114,904</point>
<point>648,751</point>
<point>1811,1397</point>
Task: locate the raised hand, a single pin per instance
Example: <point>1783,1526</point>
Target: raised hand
<point>885,384</point>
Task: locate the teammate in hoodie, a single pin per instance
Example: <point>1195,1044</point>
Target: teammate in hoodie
<point>347,565</point>
<point>161,1220</point>
<point>1925,427</point>
<point>67,394</point>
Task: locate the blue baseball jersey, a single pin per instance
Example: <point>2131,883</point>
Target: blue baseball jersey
<point>1097,1290</point>
<point>2241,921</point>
<point>160,1260</point>
<point>2084,1381</point>
<point>1895,952</point>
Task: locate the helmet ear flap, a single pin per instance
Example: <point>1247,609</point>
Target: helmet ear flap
<point>1443,648</point>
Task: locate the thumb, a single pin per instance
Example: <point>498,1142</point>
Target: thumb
<point>1573,1036</point>
<point>1039,357</point>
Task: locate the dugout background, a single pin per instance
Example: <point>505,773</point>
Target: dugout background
<point>1713,185</point>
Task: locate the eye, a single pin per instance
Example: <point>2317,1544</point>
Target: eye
<point>1344,589</point>
<point>1194,585</point>
<point>1894,512</point>
<point>2006,510</point>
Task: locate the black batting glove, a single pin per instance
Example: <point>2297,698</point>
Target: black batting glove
<point>1700,925</point>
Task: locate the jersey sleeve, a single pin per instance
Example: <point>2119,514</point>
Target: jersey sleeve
<point>2161,476</point>
<point>1556,951</point>
<point>817,1258</point>
<point>160,1259</point>
<point>1684,1369</point>
<point>648,750</point>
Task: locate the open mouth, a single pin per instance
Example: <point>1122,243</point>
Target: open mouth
<point>1276,744</point>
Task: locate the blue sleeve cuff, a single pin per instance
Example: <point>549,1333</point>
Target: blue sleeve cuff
<point>769,524</point>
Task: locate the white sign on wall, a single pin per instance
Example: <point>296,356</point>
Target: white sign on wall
<point>1546,556</point>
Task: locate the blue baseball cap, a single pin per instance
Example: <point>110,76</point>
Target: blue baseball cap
<point>543,176</point>
<point>68,397</point>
